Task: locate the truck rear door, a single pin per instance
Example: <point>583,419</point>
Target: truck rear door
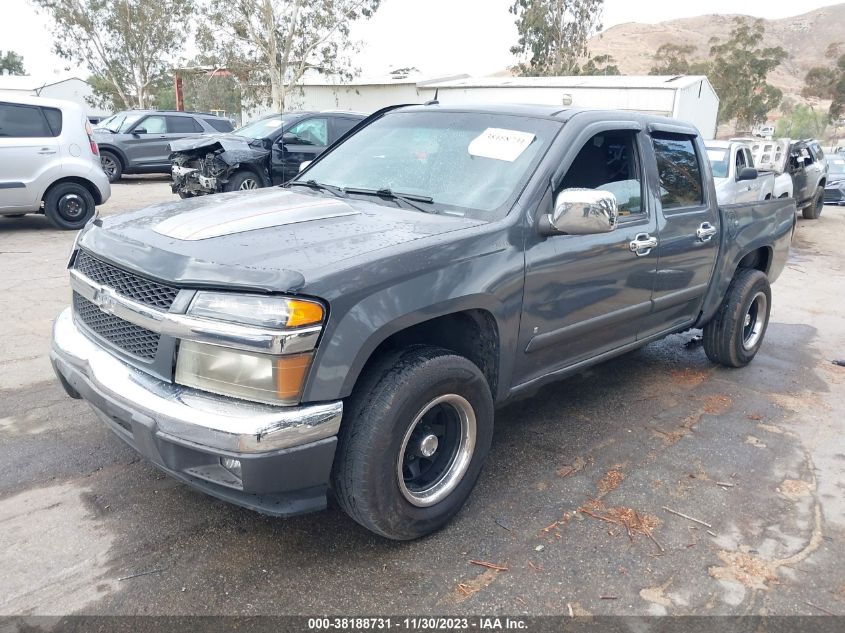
<point>688,229</point>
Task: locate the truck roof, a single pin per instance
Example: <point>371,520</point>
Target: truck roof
<point>553,112</point>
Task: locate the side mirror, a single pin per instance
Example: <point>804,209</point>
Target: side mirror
<point>287,137</point>
<point>304,164</point>
<point>139,130</point>
<point>747,173</point>
<point>581,212</point>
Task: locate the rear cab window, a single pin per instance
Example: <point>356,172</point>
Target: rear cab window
<point>26,121</point>
<point>679,170</point>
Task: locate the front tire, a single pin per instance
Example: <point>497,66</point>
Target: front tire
<point>414,438</point>
<point>734,335</point>
<point>243,180</point>
<point>69,206</point>
<point>815,208</point>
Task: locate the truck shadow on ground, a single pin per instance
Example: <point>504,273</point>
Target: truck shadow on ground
<point>661,418</point>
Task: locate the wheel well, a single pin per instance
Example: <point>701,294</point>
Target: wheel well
<point>251,169</point>
<point>116,153</point>
<point>783,195</point>
<point>95,193</point>
<point>768,196</point>
<point>758,259</point>
<point>471,333</point>
<point>822,183</point>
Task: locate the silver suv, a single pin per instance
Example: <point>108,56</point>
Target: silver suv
<point>49,162</point>
<point>138,141</point>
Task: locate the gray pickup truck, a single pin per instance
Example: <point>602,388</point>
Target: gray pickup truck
<point>353,331</point>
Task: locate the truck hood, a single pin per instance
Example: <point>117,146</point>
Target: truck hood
<point>270,239</point>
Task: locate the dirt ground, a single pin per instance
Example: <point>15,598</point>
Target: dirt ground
<point>581,502</point>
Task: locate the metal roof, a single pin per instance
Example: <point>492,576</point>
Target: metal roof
<point>664,82</point>
<point>30,83</point>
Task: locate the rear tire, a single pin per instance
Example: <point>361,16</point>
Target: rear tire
<point>243,180</point>
<point>415,435</point>
<point>815,208</point>
<point>734,335</point>
<point>69,206</point>
<point>112,166</point>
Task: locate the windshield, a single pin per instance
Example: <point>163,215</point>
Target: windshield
<point>718,161</point>
<point>836,166</point>
<point>469,164</point>
<point>261,128</point>
<point>120,122</point>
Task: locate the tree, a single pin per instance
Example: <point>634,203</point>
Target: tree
<point>277,41</point>
<point>673,59</point>
<point>129,46</point>
<point>828,82</point>
<point>11,63</point>
<point>600,65</point>
<point>738,72</point>
<point>803,122</point>
<point>553,35</point>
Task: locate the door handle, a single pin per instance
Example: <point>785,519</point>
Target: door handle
<point>46,150</point>
<point>642,244</point>
<point>705,232</point>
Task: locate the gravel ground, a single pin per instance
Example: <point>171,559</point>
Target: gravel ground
<point>758,454</point>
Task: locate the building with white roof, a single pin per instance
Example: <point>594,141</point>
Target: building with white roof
<point>68,89</point>
<point>687,97</point>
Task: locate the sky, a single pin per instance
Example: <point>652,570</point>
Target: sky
<point>440,37</point>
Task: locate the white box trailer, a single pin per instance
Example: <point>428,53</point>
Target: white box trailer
<point>687,97</point>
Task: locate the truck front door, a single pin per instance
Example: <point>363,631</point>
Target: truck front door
<point>588,294</point>
<point>689,230</point>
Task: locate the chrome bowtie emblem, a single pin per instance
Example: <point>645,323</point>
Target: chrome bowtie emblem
<point>105,300</point>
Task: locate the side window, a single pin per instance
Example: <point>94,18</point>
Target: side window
<point>312,131</point>
<point>153,125</point>
<point>740,159</point>
<point>221,125</point>
<point>749,159</point>
<point>182,125</point>
<point>679,171</point>
<point>609,161</point>
<point>342,125</point>
<point>54,120</point>
<point>20,121</point>
<point>817,151</point>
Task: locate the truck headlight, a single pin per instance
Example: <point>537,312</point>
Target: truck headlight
<point>262,311</point>
<point>274,379</point>
<point>231,372</point>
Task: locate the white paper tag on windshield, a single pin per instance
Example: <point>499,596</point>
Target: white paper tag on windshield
<point>500,144</point>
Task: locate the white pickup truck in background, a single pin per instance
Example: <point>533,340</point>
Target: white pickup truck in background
<point>772,155</point>
<point>736,178</point>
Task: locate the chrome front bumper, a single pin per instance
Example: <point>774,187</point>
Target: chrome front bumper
<point>180,414</point>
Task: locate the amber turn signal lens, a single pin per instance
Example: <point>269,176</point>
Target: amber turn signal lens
<point>290,375</point>
<point>304,313</point>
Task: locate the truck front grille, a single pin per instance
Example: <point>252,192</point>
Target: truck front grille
<point>126,336</point>
<point>130,285</point>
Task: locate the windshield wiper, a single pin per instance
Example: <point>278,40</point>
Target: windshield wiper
<point>386,192</point>
<point>317,186</point>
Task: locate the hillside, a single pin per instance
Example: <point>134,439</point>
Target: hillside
<point>805,37</point>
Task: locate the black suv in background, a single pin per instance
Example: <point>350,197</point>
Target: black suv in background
<point>138,141</point>
<point>265,152</point>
